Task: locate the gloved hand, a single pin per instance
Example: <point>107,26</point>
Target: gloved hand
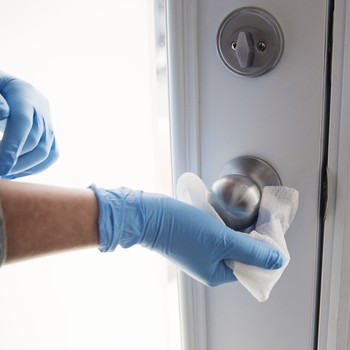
<point>194,240</point>
<point>28,145</point>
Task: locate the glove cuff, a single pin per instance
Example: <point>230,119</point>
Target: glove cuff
<point>120,218</point>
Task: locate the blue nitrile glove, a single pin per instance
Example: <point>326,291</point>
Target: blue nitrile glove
<point>194,240</point>
<point>28,145</point>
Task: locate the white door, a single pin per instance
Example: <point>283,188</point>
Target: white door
<point>281,117</point>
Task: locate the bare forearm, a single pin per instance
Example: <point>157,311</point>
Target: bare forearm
<point>43,219</point>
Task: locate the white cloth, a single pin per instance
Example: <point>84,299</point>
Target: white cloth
<point>278,207</point>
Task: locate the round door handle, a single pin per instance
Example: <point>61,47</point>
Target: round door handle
<point>237,193</point>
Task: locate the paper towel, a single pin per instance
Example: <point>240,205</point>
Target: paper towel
<point>278,207</point>
<point>192,190</point>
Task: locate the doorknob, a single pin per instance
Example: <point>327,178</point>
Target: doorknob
<point>250,41</point>
<point>236,194</point>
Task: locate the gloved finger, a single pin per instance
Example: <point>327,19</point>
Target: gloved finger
<point>52,157</point>
<point>16,132</point>
<point>35,135</point>
<point>222,274</point>
<point>19,123</point>
<point>38,155</point>
<point>4,108</point>
<point>252,251</point>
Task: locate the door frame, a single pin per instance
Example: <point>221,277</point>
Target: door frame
<point>335,287</point>
<point>185,142</point>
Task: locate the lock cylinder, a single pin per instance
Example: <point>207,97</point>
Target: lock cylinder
<point>250,41</point>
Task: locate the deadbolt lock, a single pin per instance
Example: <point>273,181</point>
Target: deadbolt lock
<point>250,41</point>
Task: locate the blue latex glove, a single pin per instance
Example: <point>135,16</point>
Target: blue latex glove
<point>28,145</point>
<point>194,240</point>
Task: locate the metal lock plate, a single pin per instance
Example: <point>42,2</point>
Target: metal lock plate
<point>250,41</point>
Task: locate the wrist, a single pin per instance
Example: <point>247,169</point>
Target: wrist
<point>120,219</point>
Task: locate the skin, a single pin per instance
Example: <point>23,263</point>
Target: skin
<point>42,219</point>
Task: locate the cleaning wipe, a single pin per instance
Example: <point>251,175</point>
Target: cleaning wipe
<point>192,190</point>
<point>277,210</point>
<point>278,207</point>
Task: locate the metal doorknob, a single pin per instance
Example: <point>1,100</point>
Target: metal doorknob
<point>237,193</point>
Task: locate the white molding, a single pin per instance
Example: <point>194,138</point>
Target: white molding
<point>192,313</point>
<point>183,84</point>
<point>335,292</point>
<point>185,140</point>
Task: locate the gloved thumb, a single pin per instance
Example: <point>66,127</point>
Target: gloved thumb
<point>254,252</point>
<point>4,109</point>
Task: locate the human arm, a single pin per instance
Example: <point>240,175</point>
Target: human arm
<point>44,219</point>
<point>28,145</point>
